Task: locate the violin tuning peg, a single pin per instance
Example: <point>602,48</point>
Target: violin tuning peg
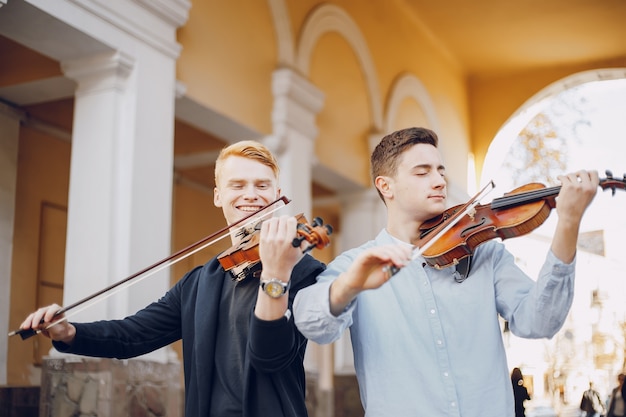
<point>318,221</point>
<point>329,229</point>
<point>297,241</point>
<point>608,173</point>
<point>308,249</point>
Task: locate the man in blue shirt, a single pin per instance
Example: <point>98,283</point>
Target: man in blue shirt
<point>427,341</point>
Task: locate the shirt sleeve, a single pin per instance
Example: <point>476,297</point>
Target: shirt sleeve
<point>312,308</point>
<point>535,309</point>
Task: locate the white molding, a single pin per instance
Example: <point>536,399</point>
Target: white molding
<point>208,120</point>
<point>39,91</point>
<point>409,86</point>
<point>330,18</point>
<point>284,36</point>
<point>296,104</point>
<point>195,160</point>
<point>152,22</point>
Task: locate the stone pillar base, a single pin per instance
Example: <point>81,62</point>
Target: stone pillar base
<point>343,400</point>
<point>96,387</point>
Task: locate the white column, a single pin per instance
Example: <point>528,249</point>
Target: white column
<point>296,104</point>
<point>9,139</point>
<point>120,197</point>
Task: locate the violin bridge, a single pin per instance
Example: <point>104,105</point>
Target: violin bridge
<point>472,213</point>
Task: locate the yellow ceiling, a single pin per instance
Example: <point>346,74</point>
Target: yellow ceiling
<point>493,36</point>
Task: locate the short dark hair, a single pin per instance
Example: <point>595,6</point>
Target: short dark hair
<point>384,160</point>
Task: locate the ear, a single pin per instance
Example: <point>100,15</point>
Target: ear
<point>217,201</point>
<point>383,184</point>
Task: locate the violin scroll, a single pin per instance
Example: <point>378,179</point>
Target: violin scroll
<point>610,183</point>
<point>316,234</point>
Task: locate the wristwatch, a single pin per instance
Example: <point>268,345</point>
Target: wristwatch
<point>274,287</point>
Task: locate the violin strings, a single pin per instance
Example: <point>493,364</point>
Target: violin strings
<point>525,197</point>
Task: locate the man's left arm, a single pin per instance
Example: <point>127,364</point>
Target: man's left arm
<point>577,192</point>
<point>274,344</point>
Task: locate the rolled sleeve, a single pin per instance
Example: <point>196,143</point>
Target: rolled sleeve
<point>313,317</point>
<point>544,311</point>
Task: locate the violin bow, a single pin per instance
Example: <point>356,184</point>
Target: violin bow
<point>469,208</point>
<point>153,269</point>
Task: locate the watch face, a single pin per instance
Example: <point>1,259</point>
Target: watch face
<point>274,289</point>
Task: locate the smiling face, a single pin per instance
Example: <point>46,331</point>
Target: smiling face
<point>243,186</point>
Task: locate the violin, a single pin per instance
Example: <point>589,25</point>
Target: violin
<point>241,258</point>
<point>515,214</point>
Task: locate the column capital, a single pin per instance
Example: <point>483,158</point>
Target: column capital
<point>289,84</point>
<point>153,22</point>
<point>296,104</point>
<point>108,70</point>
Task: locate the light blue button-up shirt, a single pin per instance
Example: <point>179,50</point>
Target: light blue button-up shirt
<point>426,345</point>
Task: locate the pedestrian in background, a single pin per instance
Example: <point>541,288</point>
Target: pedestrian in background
<point>591,404</point>
<point>616,402</point>
<point>520,392</point>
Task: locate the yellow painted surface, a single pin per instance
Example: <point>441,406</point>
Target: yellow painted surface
<point>228,58</point>
<point>344,120</point>
<point>43,178</point>
<point>25,65</point>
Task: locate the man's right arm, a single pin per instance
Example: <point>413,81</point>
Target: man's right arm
<point>324,310</point>
<point>370,270</point>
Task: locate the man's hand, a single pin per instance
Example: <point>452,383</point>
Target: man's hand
<point>577,191</point>
<point>42,318</point>
<point>370,270</point>
<point>276,251</point>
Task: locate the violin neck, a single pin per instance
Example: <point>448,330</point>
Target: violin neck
<point>525,198</point>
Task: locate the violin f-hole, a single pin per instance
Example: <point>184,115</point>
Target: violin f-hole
<point>467,230</point>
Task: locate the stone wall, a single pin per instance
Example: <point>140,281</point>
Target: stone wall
<point>94,387</point>
<point>343,401</point>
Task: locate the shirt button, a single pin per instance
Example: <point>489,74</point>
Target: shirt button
<point>446,374</point>
<point>432,311</point>
<point>439,342</point>
<point>453,404</point>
